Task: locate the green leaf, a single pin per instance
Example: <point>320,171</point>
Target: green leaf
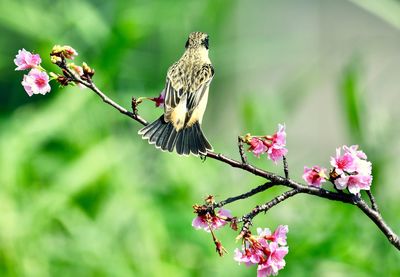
<point>353,102</point>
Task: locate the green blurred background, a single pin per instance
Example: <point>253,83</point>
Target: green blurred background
<point>82,195</point>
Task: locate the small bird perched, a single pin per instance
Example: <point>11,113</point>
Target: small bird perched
<point>186,94</point>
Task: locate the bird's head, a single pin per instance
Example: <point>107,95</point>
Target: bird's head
<point>197,40</point>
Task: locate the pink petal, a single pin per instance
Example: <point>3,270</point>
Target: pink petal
<point>280,234</point>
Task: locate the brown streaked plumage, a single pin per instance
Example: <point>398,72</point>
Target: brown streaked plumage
<point>186,94</point>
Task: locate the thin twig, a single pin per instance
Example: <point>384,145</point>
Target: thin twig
<point>256,190</point>
<point>373,202</point>
<point>275,201</point>
<point>285,167</point>
<point>247,219</point>
<point>104,97</point>
<point>241,150</point>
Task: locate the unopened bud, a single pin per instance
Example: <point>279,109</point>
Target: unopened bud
<point>65,51</point>
<point>55,59</point>
<point>87,71</point>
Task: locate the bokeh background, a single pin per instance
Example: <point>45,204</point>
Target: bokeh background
<point>82,195</point>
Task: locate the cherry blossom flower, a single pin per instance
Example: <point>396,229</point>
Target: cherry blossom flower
<point>274,146</point>
<point>343,163</point>
<point>257,146</point>
<point>355,152</point>
<point>275,261</point>
<point>280,136</point>
<point>279,235</point>
<point>265,250</point>
<point>215,221</point>
<point>276,152</point>
<point>36,82</point>
<point>354,183</point>
<point>351,170</point>
<point>314,176</point>
<point>26,60</point>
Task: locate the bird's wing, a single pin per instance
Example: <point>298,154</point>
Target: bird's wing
<point>202,80</point>
<point>173,87</point>
<point>180,101</point>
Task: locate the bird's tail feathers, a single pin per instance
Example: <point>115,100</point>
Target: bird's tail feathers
<point>189,139</point>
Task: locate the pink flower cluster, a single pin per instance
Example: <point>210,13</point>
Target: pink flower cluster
<point>209,220</point>
<point>273,146</point>
<point>353,169</point>
<point>265,250</point>
<point>350,170</point>
<point>37,81</point>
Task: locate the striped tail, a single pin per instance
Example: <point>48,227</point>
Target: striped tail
<point>185,141</point>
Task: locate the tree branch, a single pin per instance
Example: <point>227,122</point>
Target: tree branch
<point>274,179</point>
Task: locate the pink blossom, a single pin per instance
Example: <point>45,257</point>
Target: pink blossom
<point>159,101</point>
<point>280,136</point>
<point>214,221</point>
<point>353,169</point>
<point>264,250</point>
<point>355,152</point>
<point>276,152</point>
<point>354,183</point>
<point>275,260</point>
<point>345,163</point>
<point>26,60</point>
<point>363,167</point>
<point>257,147</point>
<point>248,255</point>
<point>36,82</point>
<point>277,149</point>
<point>265,233</point>
<point>278,236</point>
<point>314,176</point>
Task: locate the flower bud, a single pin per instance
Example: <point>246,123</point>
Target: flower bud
<point>87,71</point>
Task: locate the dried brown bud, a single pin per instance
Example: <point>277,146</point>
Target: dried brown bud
<point>210,199</point>
<point>247,138</point>
<point>233,223</point>
<point>62,80</point>
<point>219,248</point>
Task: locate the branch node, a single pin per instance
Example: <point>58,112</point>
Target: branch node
<point>134,105</point>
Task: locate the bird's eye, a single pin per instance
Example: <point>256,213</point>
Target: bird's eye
<point>187,44</point>
<point>205,42</point>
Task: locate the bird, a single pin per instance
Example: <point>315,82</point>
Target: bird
<point>186,95</point>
